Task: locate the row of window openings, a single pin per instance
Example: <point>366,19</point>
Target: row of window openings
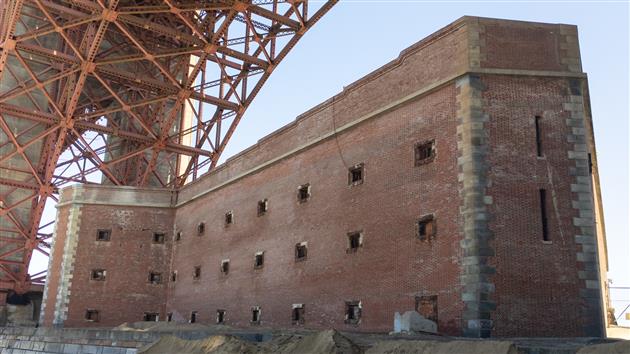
<point>106,235</point>
<point>424,153</point>
<point>426,227</point>
<point>352,314</point>
<point>426,230</point>
<point>263,205</point>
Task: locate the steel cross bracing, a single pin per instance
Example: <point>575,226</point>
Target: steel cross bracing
<point>141,93</point>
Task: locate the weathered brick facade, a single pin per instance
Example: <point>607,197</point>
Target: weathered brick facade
<point>502,107</point>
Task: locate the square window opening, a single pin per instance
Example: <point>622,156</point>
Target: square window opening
<point>155,278</point>
<point>297,314</point>
<point>355,241</point>
<point>229,218</point>
<point>426,228</point>
<point>169,317</point>
<point>92,315</point>
<point>103,235</point>
<point>201,228</point>
<point>158,237</point>
<point>353,312</point>
<point>427,306</point>
<point>193,317</point>
<point>424,152</point>
<point>225,266</point>
<point>304,193</point>
<point>259,260</point>
<point>263,207</point>
<point>98,274</point>
<point>151,317</point>
<point>301,251</point>
<point>256,314</point>
<point>356,175</point>
<point>221,316</point>
<point>197,273</point>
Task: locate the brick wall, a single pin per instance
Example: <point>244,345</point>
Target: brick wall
<point>385,207</point>
<point>128,257</point>
<point>537,280</point>
<point>468,89</point>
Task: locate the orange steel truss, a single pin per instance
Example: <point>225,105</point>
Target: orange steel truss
<point>125,92</point>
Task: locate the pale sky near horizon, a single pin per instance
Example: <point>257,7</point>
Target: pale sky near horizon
<point>357,37</point>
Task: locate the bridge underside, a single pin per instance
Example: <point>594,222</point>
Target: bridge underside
<point>142,93</point>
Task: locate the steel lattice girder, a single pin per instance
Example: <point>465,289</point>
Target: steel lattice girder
<point>123,92</point>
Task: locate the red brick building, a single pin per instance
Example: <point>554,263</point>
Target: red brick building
<point>459,180</point>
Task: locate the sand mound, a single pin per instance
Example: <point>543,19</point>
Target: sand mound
<point>213,344</point>
<point>621,347</point>
<point>325,342</point>
<point>433,347</point>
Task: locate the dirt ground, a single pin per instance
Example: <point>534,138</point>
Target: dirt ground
<point>227,340</point>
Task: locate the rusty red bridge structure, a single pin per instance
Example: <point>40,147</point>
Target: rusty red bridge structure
<point>123,92</point>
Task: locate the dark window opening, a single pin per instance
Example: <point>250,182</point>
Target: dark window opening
<point>590,164</point>
<point>355,240</point>
<point>201,228</point>
<point>229,218</point>
<point>353,312</point>
<point>169,317</point>
<point>259,260</point>
<point>155,278</point>
<point>197,273</point>
<point>300,251</point>
<point>427,306</point>
<point>304,192</point>
<point>263,207</point>
<point>98,274</point>
<point>178,236</point>
<point>297,315</point>
<point>158,237</point>
<point>543,214</point>
<point>426,228</point>
<point>225,266</point>
<point>424,152</point>
<point>256,315</point>
<point>151,317</point>
<point>103,235</point>
<point>92,315</point>
<point>538,137</point>
<point>174,276</point>
<point>355,175</point>
<point>220,316</point>
<point>193,317</point>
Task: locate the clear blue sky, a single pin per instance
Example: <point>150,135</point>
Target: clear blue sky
<point>357,37</point>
